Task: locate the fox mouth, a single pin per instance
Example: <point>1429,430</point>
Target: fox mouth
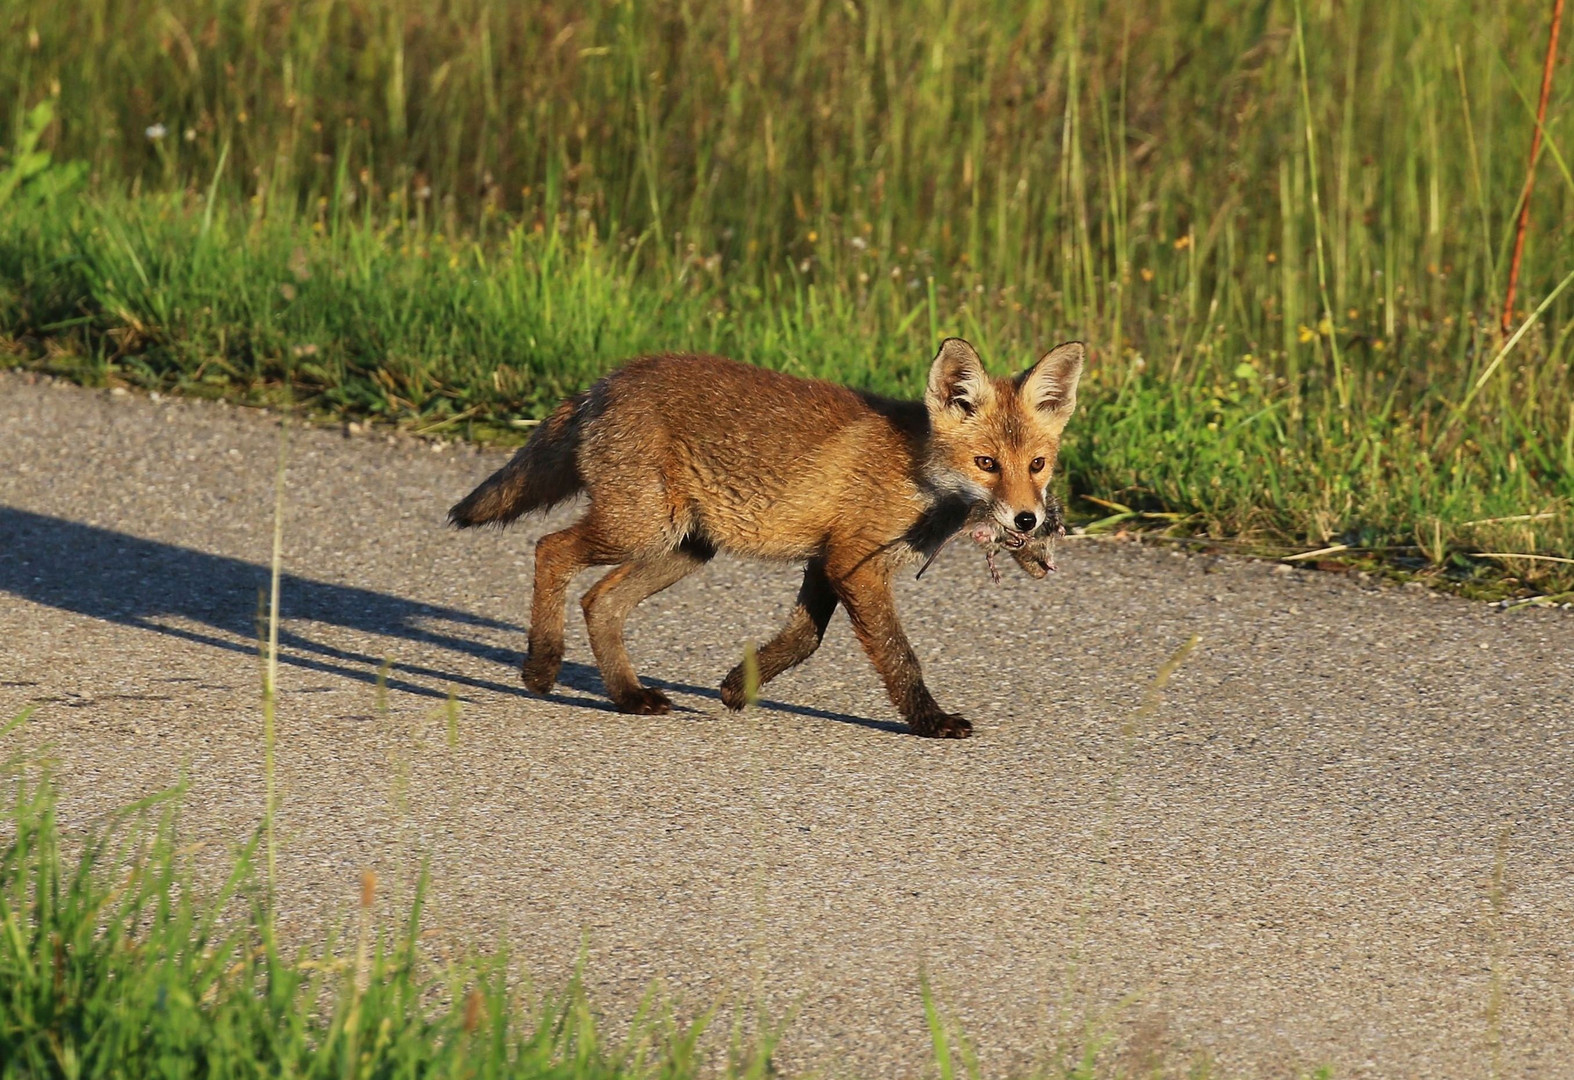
<point>995,533</point>
<point>1033,552</point>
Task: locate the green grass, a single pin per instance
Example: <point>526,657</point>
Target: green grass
<point>446,215</point>
<point>113,962</point>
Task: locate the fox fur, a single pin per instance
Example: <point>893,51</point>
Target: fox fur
<point>685,456</point>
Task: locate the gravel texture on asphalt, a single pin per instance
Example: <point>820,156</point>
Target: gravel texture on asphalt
<point>1288,863</point>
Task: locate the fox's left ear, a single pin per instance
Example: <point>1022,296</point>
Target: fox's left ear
<point>1050,386</point>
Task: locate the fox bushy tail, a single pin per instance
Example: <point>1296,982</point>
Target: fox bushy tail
<point>542,474</point>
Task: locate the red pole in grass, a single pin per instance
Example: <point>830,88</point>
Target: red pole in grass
<point>1530,170</point>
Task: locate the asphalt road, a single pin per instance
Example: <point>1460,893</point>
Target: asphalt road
<point>1288,863</point>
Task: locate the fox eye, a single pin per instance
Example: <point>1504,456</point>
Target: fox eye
<point>1038,465</point>
<point>988,464</point>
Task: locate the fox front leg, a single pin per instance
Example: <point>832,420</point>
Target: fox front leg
<point>866,593</point>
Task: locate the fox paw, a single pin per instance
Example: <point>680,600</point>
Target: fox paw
<point>942,726</point>
<point>643,701</point>
<point>732,690</point>
<point>540,671</point>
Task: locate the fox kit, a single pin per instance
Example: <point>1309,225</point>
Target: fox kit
<point>685,456</point>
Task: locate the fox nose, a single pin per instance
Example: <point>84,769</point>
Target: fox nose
<point>1026,521</point>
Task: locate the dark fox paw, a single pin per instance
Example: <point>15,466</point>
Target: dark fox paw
<point>942,726</point>
<point>732,689</point>
<point>540,671</point>
<point>643,701</point>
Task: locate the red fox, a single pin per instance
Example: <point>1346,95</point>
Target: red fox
<point>686,456</point>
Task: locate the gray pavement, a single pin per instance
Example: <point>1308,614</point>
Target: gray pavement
<point>1289,863</point>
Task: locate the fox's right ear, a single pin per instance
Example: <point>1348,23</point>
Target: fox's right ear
<point>958,384</point>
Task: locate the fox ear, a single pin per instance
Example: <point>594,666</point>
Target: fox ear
<point>958,384</point>
<point>1050,386</point>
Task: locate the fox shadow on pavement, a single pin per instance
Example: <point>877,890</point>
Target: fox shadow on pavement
<point>217,601</point>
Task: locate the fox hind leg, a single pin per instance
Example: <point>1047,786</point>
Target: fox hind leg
<point>796,641</point>
<point>607,606</point>
<point>559,556</point>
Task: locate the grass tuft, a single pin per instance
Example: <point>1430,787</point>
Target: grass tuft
<point>113,963</point>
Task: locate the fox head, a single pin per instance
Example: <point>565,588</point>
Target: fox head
<point>993,442</point>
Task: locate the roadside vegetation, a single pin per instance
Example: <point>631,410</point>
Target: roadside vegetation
<point>115,962</point>
<point>1284,230</point>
